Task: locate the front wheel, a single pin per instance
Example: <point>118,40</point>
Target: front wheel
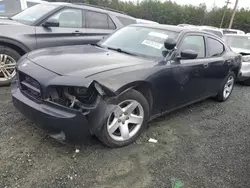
<point>227,88</point>
<point>125,124</point>
<point>8,59</point>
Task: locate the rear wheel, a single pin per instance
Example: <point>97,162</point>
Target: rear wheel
<point>127,121</point>
<point>8,59</point>
<point>227,88</point>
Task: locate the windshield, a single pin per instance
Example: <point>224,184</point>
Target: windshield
<point>32,14</point>
<point>9,7</point>
<point>218,33</point>
<point>141,41</point>
<point>238,41</point>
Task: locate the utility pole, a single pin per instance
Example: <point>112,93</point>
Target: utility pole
<point>234,11</point>
<point>224,14</point>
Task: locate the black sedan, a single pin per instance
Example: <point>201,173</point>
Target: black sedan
<point>114,88</point>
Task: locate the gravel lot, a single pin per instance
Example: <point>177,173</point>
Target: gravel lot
<point>204,145</point>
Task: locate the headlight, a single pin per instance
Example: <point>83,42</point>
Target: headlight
<point>80,90</point>
<point>246,58</point>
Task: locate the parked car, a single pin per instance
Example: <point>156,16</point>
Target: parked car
<point>241,44</point>
<point>112,89</point>
<point>213,30</point>
<point>209,29</point>
<point>9,8</point>
<point>232,31</point>
<point>53,24</point>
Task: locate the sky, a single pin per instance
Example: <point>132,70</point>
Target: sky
<point>210,3</point>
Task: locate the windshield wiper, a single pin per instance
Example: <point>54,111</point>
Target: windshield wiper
<point>9,18</point>
<point>121,51</point>
<point>97,45</point>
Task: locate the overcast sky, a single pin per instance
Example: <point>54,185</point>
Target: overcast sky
<point>209,3</point>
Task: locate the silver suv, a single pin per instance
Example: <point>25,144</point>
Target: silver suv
<point>54,24</point>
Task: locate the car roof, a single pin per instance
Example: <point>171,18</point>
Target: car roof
<point>174,28</point>
<point>93,8</point>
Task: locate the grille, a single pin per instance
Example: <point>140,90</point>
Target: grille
<point>30,87</point>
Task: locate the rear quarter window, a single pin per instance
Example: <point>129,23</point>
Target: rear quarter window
<point>215,47</point>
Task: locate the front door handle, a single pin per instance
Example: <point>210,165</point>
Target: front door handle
<point>77,33</point>
<point>205,65</point>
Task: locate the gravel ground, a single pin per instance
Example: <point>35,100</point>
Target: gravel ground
<point>204,145</point>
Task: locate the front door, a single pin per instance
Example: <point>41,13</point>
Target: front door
<point>187,75</point>
<point>71,30</point>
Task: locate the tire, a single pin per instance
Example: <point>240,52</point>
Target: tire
<point>247,82</point>
<point>4,50</point>
<point>221,95</point>
<point>132,96</point>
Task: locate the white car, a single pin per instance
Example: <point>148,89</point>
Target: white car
<point>241,44</point>
<point>209,29</point>
<point>9,8</point>
<point>232,31</point>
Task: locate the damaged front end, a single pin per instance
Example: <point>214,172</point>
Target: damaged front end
<point>95,102</point>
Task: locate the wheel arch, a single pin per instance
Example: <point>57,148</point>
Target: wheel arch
<point>15,45</point>
<point>144,87</point>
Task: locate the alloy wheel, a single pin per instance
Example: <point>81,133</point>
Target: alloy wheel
<point>125,121</point>
<point>228,87</point>
<point>7,67</point>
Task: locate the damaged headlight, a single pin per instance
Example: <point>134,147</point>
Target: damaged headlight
<point>246,58</point>
<point>74,97</point>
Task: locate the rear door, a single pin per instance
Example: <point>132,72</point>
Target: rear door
<point>71,30</point>
<point>217,66</point>
<point>99,25</point>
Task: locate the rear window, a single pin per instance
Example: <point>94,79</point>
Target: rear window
<point>9,7</point>
<point>126,21</point>
<point>97,20</point>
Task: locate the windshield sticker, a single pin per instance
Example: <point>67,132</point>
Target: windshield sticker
<point>152,44</point>
<point>155,40</point>
<point>159,35</point>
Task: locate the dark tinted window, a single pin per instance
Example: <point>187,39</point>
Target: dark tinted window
<point>31,4</point>
<point>215,47</point>
<point>126,21</point>
<point>9,7</point>
<point>195,43</point>
<point>97,20</point>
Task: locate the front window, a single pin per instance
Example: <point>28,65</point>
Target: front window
<point>9,7</point>
<point>238,41</point>
<point>141,41</point>
<point>32,14</point>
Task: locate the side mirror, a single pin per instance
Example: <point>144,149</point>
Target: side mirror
<point>189,54</point>
<point>170,43</point>
<point>51,23</point>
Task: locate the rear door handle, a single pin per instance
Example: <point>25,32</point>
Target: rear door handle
<point>77,33</point>
<point>205,65</point>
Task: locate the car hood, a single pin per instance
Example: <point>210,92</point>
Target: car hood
<point>83,61</point>
<point>241,51</point>
<point>6,21</point>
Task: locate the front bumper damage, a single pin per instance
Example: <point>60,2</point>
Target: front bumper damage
<point>63,123</point>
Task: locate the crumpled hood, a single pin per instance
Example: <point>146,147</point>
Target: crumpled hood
<point>241,51</point>
<point>83,61</point>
